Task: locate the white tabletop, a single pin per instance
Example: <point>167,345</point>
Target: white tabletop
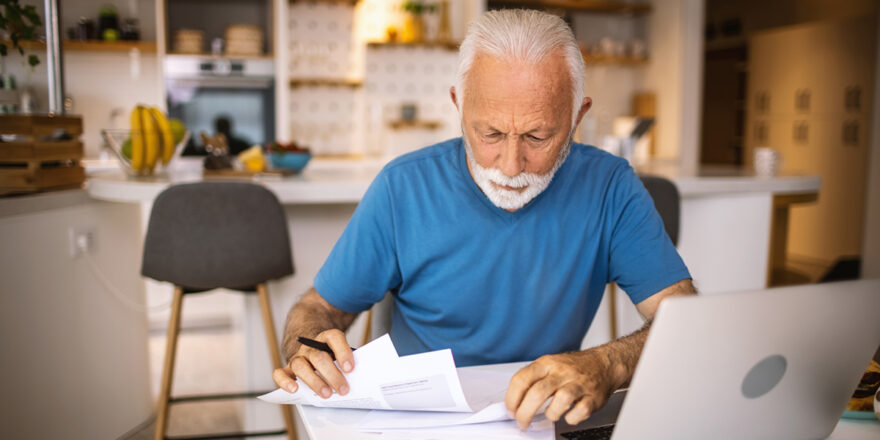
<point>332,424</point>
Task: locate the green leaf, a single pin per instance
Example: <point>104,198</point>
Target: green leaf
<point>31,13</point>
<point>2,50</point>
<point>33,61</point>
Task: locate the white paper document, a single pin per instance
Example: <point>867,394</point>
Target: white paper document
<point>416,391</point>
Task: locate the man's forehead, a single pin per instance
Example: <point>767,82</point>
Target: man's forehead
<point>491,75</point>
<point>497,87</point>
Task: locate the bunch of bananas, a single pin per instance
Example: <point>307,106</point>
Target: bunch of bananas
<point>153,138</point>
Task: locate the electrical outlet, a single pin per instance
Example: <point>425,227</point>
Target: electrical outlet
<point>80,241</point>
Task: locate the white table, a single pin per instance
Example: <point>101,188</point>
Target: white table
<point>316,422</point>
<point>725,235</point>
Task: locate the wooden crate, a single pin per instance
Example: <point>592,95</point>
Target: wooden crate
<point>34,161</point>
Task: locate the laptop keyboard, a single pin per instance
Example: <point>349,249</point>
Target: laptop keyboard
<point>601,433</point>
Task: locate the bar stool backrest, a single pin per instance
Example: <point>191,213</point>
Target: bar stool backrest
<point>667,201</point>
<point>209,235</point>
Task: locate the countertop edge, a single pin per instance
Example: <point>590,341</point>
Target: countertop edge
<point>31,203</point>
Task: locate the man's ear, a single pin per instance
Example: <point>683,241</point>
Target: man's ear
<point>585,107</point>
<point>453,97</point>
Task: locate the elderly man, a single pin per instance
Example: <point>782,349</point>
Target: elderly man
<point>499,244</point>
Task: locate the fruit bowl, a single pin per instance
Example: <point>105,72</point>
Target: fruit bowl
<point>289,160</point>
<point>119,142</point>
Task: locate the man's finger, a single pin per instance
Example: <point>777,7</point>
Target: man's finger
<point>536,395</point>
<point>562,401</point>
<point>304,370</point>
<point>283,377</point>
<point>341,350</point>
<point>323,363</point>
<point>520,383</point>
<point>584,408</point>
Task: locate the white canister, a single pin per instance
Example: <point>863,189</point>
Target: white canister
<point>768,161</point>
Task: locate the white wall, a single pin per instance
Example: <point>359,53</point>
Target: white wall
<point>75,362</point>
<point>871,239</point>
<point>675,39</point>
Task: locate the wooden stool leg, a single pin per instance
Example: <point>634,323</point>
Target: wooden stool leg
<point>612,309</point>
<point>272,340</point>
<point>168,368</point>
<point>368,327</point>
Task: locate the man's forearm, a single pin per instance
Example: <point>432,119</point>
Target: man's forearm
<point>309,317</point>
<point>622,355</point>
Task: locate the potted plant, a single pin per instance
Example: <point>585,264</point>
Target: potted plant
<point>20,23</point>
<point>413,24</point>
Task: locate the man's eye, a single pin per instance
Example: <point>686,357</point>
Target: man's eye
<point>534,138</point>
<point>494,135</point>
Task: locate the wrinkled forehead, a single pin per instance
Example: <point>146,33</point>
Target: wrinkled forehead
<point>518,84</point>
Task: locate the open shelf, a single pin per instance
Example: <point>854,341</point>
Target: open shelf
<point>312,82</point>
<point>417,123</point>
<point>598,6</point>
<point>603,60</point>
<point>350,2</point>
<point>448,45</point>
<point>91,45</point>
<point>222,56</point>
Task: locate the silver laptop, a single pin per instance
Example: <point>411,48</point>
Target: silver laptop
<point>769,364</point>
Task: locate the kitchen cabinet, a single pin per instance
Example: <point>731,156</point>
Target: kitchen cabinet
<point>809,97</point>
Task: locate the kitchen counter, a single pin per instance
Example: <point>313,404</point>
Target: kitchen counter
<point>346,181</point>
<point>323,181</point>
<point>709,180</point>
<point>23,204</point>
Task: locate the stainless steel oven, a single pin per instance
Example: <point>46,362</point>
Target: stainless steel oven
<point>204,91</point>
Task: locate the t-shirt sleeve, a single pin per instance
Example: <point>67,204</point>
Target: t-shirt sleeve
<point>642,260</point>
<point>363,264</point>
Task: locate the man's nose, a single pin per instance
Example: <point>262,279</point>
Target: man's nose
<point>512,161</point>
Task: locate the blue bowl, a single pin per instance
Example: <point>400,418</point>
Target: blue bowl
<point>289,161</point>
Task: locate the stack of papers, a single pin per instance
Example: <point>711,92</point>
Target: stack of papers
<point>418,391</point>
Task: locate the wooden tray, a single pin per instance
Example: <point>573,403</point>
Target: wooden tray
<point>36,162</point>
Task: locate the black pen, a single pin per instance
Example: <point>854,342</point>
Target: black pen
<point>318,345</point>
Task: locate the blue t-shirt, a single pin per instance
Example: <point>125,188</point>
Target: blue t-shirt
<point>497,286</point>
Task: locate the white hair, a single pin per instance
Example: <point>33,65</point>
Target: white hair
<point>526,36</point>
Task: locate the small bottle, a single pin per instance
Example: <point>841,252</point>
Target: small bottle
<point>26,101</point>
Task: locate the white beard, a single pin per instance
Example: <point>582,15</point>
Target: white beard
<point>528,185</point>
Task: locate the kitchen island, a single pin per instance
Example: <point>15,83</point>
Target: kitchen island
<point>724,238</point>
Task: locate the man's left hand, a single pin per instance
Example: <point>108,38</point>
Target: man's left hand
<point>579,383</point>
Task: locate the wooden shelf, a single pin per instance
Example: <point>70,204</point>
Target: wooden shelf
<point>426,125</point>
<point>598,6</point>
<point>448,45</point>
<point>91,46</point>
<point>351,2</point>
<point>313,82</point>
<point>593,60</point>
<point>108,46</point>
<point>268,56</point>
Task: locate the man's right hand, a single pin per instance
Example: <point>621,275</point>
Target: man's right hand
<point>307,363</point>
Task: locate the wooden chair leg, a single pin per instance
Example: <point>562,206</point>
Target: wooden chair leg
<point>612,308</point>
<point>368,327</point>
<point>168,368</point>
<point>272,340</point>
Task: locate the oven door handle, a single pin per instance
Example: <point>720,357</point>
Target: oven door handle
<point>222,83</point>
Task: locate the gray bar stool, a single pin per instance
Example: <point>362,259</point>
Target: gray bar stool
<point>667,202</point>
<point>209,235</point>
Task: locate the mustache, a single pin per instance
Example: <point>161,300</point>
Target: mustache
<point>522,179</point>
